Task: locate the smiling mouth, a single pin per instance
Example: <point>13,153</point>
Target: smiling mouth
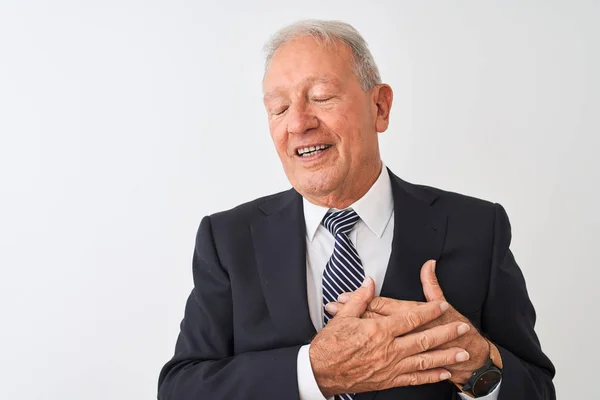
<point>312,150</point>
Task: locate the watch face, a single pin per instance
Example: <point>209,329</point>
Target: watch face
<point>486,383</point>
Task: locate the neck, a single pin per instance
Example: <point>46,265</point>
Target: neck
<point>341,200</point>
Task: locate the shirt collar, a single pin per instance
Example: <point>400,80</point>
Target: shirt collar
<point>374,208</point>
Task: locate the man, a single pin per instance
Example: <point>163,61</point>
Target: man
<point>413,291</point>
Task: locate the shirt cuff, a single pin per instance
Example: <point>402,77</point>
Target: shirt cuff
<point>307,384</point>
<point>491,396</point>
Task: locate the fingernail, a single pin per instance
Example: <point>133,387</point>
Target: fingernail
<point>433,265</point>
<point>445,375</point>
<point>444,306</point>
<point>462,356</point>
<point>463,328</point>
<point>367,282</point>
<point>331,308</point>
<point>343,298</point>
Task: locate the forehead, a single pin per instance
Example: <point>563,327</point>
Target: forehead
<point>306,60</point>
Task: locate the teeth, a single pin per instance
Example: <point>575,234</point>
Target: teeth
<point>304,151</point>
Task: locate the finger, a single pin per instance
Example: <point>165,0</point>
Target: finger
<point>333,307</point>
<point>359,300</point>
<point>431,286</point>
<point>387,306</point>
<point>401,323</point>
<point>421,377</point>
<point>344,297</point>
<point>371,315</point>
<point>432,359</point>
<point>420,342</point>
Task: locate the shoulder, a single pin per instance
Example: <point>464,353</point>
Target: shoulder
<point>439,198</point>
<point>471,221</point>
<point>457,201</point>
<point>246,213</point>
<point>458,207</point>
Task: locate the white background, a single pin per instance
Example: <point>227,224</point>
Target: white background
<point>123,122</point>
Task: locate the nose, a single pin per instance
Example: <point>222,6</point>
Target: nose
<point>300,119</point>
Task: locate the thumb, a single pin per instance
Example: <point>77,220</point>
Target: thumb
<point>431,287</point>
<point>359,300</point>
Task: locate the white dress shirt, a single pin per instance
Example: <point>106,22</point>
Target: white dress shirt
<point>372,236</point>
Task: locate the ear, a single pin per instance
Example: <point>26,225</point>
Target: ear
<point>382,98</point>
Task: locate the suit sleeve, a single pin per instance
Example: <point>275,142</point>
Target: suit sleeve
<point>508,319</point>
<point>204,365</point>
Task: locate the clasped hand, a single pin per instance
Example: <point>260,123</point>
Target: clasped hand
<point>376,343</point>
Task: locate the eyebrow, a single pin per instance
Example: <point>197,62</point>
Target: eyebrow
<point>310,79</point>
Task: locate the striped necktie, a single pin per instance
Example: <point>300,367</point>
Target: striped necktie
<point>344,271</point>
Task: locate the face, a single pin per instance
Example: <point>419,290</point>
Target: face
<point>323,124</point>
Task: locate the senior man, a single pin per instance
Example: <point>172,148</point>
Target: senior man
<point>413,291</point>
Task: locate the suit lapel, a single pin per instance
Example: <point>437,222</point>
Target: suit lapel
<point>280,251</point>
<point>419,233</point>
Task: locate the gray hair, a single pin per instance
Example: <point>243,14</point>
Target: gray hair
<point>328,31</point>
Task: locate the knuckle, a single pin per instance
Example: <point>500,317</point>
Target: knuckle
<point>376,304</point>
<point>373,331</point>
<point>413,379</point>
<point>412,319</point>
<point>431,378</point>
<point>358,296</point>
<point>423,342</point>
<point>423,363</point>
<point>443,336</point>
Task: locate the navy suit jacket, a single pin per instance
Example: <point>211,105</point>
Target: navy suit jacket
<point>247,315</point>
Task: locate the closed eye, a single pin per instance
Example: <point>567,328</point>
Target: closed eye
<point>279,111</point>
<point>322,100</point>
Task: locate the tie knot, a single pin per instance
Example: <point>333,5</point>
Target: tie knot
<point>340,221</point>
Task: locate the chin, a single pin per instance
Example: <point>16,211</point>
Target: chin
<point>314,187</point>
<point>316,183</point>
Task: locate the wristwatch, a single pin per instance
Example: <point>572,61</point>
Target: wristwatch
<point>484,380</point>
